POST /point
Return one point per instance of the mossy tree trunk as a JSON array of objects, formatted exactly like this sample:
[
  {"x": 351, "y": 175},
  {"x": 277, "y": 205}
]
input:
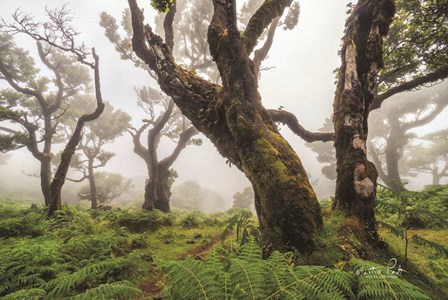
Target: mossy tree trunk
[
  {"x": 233, "y": 118},
  {"x": 361, "y": 59}
]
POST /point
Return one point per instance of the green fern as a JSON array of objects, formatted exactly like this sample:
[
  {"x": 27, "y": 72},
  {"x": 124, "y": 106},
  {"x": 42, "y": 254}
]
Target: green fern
[
  {"x": 441, "y": 273},
  {"x": 436, "y": 246},
  {"x": 379, "y": 282},
  {"x": 245, "y": 275},
  {"x": 115, "y": 290},
  {"x": 31, "y": 294}
]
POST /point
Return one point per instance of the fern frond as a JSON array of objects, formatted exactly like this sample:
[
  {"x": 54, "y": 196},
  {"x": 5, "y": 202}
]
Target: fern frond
[
  {"x": 26, "y": 294},
  {"x": 436, "y": 246},
  {"x": 115, "y": 290},
  {"x": 188, "y": 280},
  {"x": 387, "y": 206},
  {"x": 379, "y": 282},
  {"x": 440, "y": 272},
  {"x": 395, "y": 231}
]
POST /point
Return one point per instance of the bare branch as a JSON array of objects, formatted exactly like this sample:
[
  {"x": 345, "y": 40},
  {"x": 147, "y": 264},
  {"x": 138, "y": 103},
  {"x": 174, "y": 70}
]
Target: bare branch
[{"x": 291, "y": 121}]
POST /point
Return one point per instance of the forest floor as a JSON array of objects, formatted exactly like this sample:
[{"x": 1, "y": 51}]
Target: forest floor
[{"x": 78, "y": 252}]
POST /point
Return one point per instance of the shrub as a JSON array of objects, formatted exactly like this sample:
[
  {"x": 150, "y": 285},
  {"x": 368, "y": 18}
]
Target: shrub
[
  {"x": 30, "y": 224},
  {"x": 141, "y": 220}
]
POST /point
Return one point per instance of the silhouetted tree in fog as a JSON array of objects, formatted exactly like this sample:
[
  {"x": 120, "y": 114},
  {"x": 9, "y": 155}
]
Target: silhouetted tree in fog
[
  {"x": 392, "y": 133},
  {"x": 91, "y": 154},
  {"x": 108, "y": 186},
  {"x": 432, "y": 158},
  {"x": 36, "y": 103}
]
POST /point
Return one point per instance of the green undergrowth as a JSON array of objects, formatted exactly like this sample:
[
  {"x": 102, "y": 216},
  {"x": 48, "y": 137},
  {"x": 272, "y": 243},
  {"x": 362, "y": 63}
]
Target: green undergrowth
[
  {"x": 134, "y": 254},
  {"x": 85, "y": 254}
]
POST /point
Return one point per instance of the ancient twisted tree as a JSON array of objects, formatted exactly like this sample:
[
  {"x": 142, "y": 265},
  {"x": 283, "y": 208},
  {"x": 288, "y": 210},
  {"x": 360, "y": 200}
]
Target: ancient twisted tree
[
  {"x": 44, "y": 99},
  {"x": 362, "y": 57},
  {"x": 33, "y": 103},
  {"x": 232, "y": 117}
]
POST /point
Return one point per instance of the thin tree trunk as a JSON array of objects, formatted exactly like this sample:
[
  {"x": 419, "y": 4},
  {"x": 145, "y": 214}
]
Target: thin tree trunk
[
  {"x": 69, "y": 150},
  {"x": 45, "y": 178},
  {"x": 361, "y": 59},
  {"x": 92, "y": 185}
]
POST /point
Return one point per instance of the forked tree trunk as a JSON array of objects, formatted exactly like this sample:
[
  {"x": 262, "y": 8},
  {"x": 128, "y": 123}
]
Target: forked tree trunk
[
  {"x": 361, "y": 59},
  {"x": 233, "y": 118}
]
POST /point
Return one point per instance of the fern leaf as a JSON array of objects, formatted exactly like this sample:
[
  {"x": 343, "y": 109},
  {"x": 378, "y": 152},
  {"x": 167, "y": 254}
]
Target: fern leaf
[
  {"x": 395, "y": 231},
  {"x": 115, "y": 290},
  {"x": 436, "y": 246},
  {"x": 379, "y": 282},
  {"x": 26, "y": 294}
]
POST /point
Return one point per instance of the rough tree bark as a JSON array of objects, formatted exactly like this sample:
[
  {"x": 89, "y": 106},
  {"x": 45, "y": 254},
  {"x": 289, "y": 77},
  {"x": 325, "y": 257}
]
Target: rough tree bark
[
  {"x": 69, "y": 150},
  {"x": 361, "y": 56},
  {"x": 233, "y": 118}
]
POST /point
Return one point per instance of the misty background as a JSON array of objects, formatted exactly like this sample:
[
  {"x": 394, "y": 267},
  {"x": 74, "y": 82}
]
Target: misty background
[{"x": 301, "y": 80}]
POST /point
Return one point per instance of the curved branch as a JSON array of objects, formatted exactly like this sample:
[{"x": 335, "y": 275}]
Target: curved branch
[
  {"x": 440, "y": 74},
  {"x": 18, "y": 88},
  {"x": 262, "y": 53},
  {"x": 261, "y": 19},
  {"x": 425, "y": 120},
  {"x": 57, "y": 74},
  {"x": 291, "y": 121},
  {"x": 190, "y": 92},
  {"x": 168, "y": 26},
  {"x": 70, "y": 147},
  {"x": 184, "y": 137}
]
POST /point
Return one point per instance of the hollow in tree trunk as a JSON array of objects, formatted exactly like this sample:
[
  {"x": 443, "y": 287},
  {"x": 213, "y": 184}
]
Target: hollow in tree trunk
[{"x": 361, "y": 56}]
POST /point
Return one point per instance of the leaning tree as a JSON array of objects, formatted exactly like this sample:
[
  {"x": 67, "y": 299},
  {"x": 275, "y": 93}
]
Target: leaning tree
[
  {"x": 232, "y": 117},
  {"x": 42, "y": 98},
  {"x": 36, "y": 102},
  {"x": 91, "y": 154}
]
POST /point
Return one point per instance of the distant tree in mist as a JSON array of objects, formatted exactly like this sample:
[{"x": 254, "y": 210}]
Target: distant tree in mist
[
  {"x": 108, "y": 186},
  {"x": 325, "y": 152},
  {"x": 164, "y": 119},
  {"x": 34, "y": 102},
  {"x": 191, "y": 196},
  {"x": 4, "y": 158},
  {"x": 91, "y": 154},
  {"x": 393, "y": 131},
  {"x": 430, "y": 158},
  {"x": 245, "y": 199}
]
